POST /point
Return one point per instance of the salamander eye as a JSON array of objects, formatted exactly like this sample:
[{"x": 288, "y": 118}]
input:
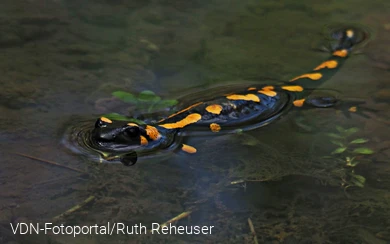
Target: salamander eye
[{"x": 102, "y": 122}]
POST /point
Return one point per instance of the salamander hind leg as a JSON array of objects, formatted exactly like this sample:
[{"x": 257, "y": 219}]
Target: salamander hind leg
[
  {"x": 354, "y": 106},
  {"x": 346, "y": 105},
  {"x": 322, "y": 102}
]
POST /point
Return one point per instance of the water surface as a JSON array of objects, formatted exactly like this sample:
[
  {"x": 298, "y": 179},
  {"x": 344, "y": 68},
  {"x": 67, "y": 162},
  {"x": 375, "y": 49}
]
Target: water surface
[{"x": 62, "y": 59}]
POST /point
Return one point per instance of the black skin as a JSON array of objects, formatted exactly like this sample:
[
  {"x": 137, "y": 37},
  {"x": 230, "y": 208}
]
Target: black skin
[{"x": 110, "y": 135}]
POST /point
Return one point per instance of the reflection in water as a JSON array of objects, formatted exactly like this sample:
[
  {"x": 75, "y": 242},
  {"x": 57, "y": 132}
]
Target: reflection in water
[{"x": 60, "y": 58}]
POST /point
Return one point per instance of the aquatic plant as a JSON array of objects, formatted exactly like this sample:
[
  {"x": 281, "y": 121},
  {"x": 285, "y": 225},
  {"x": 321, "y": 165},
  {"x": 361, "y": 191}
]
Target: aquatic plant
[
  {"x": 350, "y": 152},
  {"x": 145, "y": 100},
  {"x": 116, "y": 116}
]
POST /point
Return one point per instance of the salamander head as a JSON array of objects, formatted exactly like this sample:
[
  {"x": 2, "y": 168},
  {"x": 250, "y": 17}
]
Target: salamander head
[
  {"x": 119, "y": 139},
  {"x": 115, "y": 135}
]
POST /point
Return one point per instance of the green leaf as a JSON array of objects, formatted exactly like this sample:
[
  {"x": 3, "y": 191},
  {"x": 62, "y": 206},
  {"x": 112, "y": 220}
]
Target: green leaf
[
  {"x": 338, "y": 143},
  {"x": 340, "y": 129},
  {"x": 363, "y": 150},
  {"x": 116, "y": 116},
  {"x": 156, "y": 99},
  {"x": 359, "y": 141},
  {"x": 148, "y": 93},
  {"x": 339, "y": 150},
  {"x": 333, "y": 135},
  {"x": 148, "y": 96},
  {"x": 350, "y": 131},
  {"x": 358, "y": 180},
  {"x": 157, "y": 107},
  {"x": 353, "y": 163},
  {"x": 125, "y": 96},
  {"x": 357, "y": 183},
  {"x": 168, "y": 102},
  {"x": 163, "y": 105}
]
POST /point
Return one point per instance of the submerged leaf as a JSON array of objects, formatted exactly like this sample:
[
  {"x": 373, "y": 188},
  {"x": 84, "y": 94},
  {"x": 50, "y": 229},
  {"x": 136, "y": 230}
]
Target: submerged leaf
[
  {"x": 351, "y": 131},
  {"x": 145, "y": 100},
  {"x": 353, "y": 163},
  {"x": 359, "y": 141},
  {"x": 148, "y": 93},
  {"x": 148, "y": 96},
  {"x": 340, "y": 129},
  {"x": 116, "y": 116},
  {"x": 339, "y": 150},
  {"x": 363, "y": 150},
  {"x": 333, "y": 135},
  {"x": 168, "y": 102},
  {"x": 338, "y": 143},
  {"x": 125, "y": 96},
  {"x": 357, "y": 180},
  {"x": 357, "y": 183}
]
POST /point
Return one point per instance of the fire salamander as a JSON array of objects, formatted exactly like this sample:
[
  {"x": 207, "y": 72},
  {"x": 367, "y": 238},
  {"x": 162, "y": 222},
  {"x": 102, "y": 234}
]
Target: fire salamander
[{"x": 251, "y": 108}]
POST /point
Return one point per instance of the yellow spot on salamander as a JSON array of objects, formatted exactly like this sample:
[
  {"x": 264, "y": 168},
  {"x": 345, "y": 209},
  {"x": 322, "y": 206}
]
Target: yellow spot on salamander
[
  {"x": 352, "y": 109},
  {"x": 313, "y": 76},
  {"x": 251, "y": 88},
  {"x": 248, "y": 97},
  {"x": 268, "y": 88},
  {"x": 190, "y": 119},
  {"x": 132, "y": 124},
  {"x": 181, "y": 111},
  {"x": 214, "y": 109},
  {"x": 293, "y": 88},
  {"x": 299, "y": 102},
  {"x": 330, "y": 64},
  {"x": 215, "y": 127},
  {"x": 340, "y": 53},
  {"x": 106, "y": 120},
  {"x": 349, "y": 33},
  {"x": 144, "y": 141},
  {"x": 267, "y": 93},
  {"x": 188, "y": 149},
  {"x": 152, "y": 132}
]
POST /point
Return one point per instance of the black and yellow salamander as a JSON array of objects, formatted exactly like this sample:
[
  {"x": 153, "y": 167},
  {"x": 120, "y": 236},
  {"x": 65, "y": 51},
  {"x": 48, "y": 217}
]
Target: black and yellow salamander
[{"x": 251, "y": 108}]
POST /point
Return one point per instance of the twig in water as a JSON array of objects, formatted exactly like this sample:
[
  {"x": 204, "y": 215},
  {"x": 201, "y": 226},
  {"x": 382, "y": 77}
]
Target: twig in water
[
  {"x": 253, "y": 231},
  {"x": 244, "y": 181},
  {"x": 50, "y": 162},
  {"x": 75, "y": 208},
  {"x": 177, "y": 218}
]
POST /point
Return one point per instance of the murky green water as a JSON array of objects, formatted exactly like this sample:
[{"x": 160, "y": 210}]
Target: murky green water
[{"x": 61, "y": 60}]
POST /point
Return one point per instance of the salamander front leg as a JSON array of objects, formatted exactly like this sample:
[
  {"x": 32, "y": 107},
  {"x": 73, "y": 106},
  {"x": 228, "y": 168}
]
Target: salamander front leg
[
  {"x": 321, "y": 102},
  {"x": 129, "y": 159},
  {"x": 188, "y": 149}
]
